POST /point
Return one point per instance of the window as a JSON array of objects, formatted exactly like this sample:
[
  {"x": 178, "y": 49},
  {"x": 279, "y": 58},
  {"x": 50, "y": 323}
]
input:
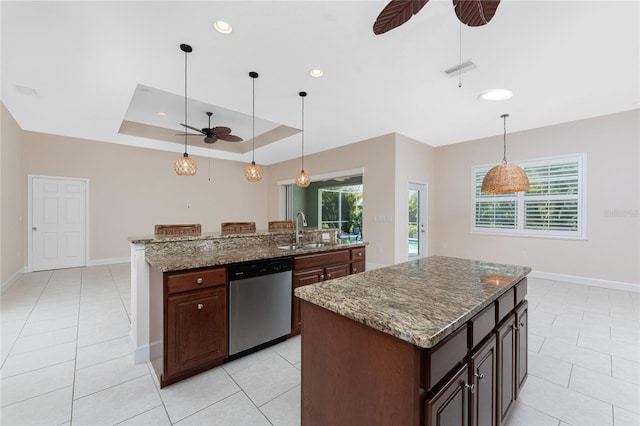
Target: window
[
  {"x": 553, "y": 206},
  {"x": 341, "y": 208}
]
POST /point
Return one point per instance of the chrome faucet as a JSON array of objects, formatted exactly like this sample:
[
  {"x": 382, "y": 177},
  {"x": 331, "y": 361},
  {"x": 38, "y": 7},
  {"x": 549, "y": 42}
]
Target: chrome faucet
[{"x": 300, "y": 232}]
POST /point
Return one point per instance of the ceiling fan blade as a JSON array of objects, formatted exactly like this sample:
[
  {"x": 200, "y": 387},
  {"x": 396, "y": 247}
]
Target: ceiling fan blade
[
  {"x": 192, "y": 128},
  {"x": 210, "y": 139},
  {"x": 189, "y": 134},
  {"x": 396, "y": 13},
  {"x": 230, "y": 138},
  {"x": 219, "y": 131},
  {"x": 475, "y": 13}
]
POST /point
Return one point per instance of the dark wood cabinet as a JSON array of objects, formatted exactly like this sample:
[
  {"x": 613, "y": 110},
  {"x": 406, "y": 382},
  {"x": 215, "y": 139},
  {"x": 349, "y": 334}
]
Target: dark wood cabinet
[
  {"x": 522, "y": 349},
  {"x": 196, "y": 329},
  {"x": 188, "y": 322},
  {"x": 506, "y": 368},
  {"x": 318, "y": 267},
  {"x": 482, "y": 370},
  {"x": 450, "y": 405}
]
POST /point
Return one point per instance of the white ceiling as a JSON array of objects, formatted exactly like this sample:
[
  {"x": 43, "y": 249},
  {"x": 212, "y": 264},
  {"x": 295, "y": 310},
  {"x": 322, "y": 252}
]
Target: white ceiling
[{"x": 564, "y": 60}]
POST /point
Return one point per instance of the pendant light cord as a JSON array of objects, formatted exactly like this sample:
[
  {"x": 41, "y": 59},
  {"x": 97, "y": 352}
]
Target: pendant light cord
[
  {"x": 303, "y": 133},
  {"x": 504, "y": 139},
  {"x": 460, "y": 55},
  {"x": 185, "y": 102},
  {"x": 253, "y": 121}
]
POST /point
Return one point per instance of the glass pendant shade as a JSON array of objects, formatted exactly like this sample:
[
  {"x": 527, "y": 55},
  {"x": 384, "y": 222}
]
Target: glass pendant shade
[
  {"x": 185, "y": 166},
  {"x": 505, "y": 177},
  {"x": 302, "y": 179},
  {"x": 253, "y": 172}
]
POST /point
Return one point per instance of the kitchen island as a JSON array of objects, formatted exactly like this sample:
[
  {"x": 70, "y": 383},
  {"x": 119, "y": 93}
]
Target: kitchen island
[{"x": 438, "y": 340}]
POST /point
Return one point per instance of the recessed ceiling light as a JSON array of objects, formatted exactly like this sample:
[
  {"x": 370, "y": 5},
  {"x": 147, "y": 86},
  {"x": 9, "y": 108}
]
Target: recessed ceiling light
[
  {"x": 162, "y": 114},
  {"x": 317, "y": 73},
  {"x": 496, "y": 95},
  {"x": 222, "y": 27}
]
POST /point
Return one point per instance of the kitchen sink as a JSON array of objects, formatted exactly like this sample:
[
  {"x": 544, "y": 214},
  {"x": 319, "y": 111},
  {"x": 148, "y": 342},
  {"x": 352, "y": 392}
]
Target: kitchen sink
[{"x": 293, "y": 247}]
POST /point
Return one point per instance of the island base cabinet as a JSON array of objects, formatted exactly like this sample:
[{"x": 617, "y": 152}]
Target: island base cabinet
[
  {"x": 450, "y": 406},
  {"x": 506, "y": 345},
  {"x": 482, "y": 367},
  {"x": 196, "y": 329}
]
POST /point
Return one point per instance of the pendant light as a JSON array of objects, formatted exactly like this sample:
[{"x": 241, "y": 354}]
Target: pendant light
[
  {"x": 505, "y": 177},
  {"x": 302, "y": 179},
  {"x": 253, "y": 172},
  {"x": 185, "y": 165}
]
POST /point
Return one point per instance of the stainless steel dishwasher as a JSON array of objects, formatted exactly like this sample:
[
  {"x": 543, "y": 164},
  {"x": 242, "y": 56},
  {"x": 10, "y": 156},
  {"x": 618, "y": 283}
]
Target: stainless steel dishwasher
[{"x": 259, "y": 304}]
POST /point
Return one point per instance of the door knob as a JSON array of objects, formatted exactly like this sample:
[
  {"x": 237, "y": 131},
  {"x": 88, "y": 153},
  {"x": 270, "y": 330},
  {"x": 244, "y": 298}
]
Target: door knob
[
  {"x": 472, "y": 387},
  {"x": 199, "y": 280},
  {"x": 34, "y": 228},
  {"x": 200, "y": 306}
]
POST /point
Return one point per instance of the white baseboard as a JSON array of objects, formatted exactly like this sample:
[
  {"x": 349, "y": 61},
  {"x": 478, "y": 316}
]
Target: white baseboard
[
  {"x": 595, "y": 282},
  {"x": 109, "y": 261},
  {"x": 140, "y": 354},
  {"x": 12, "y": 280}
]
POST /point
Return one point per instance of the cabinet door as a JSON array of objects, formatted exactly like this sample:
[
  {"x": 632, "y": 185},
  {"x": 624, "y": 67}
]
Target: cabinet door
[
  {"x": 196, "y": 329},
  {"x": 482, "y": 365},
  {"x": 336, "y": 271},
  {"x": 450, "y": 406},
  {"x": 506, "y": 344},
  {"x": 521, "y": 345},
  {"x": 301, "y": 279}
]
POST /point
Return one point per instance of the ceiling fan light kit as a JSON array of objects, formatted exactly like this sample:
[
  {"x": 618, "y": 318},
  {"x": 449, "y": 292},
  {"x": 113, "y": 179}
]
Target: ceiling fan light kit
[
  {"x": 185, "y": 166},
  {"x": 302, "y": 179},
  {"x": 505, "y": 177},
  {"x": 253, "y": 172}
]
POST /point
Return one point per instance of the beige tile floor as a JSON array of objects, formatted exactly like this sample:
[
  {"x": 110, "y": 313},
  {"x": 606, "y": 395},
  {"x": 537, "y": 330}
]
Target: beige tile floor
[{"x": 65, "y": 360}]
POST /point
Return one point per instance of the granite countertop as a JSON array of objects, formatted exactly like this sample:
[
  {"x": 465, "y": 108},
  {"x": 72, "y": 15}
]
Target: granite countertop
[
  {"x": 185, "y": 257},
  {"x": 420, "y": 301},
  {"x": 148, "y": 239}
]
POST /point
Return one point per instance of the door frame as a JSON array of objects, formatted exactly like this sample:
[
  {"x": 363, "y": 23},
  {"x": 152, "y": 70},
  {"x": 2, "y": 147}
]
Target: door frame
[
  {"x": 30, "y": 178},
  {"x": 423, "y": 209}
]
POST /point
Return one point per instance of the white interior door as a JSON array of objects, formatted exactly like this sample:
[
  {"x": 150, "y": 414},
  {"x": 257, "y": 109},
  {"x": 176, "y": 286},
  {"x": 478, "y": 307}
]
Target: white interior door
[
  {"x": 417, "y": 220},
  {"x": 58, "y": 223}
]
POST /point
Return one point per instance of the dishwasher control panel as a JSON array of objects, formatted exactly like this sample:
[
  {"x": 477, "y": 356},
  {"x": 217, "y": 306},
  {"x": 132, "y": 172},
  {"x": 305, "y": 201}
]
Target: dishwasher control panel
[{"x": 256, "y": 268}]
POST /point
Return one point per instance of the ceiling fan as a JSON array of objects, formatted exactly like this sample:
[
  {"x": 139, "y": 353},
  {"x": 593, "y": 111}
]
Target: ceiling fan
[
  {"x": 212, "y": 134},
  {"x": 473, "y": 13}
]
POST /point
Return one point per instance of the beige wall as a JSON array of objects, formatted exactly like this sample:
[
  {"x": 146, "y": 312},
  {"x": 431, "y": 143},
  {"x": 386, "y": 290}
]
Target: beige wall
[
  {"x": 12, "y": 223},
  {"x": 377, "y": 157},
  {"x": 131, "y": 189},
  {"x": 415, "y": 162},
  {"x": 611, "y": 250}
]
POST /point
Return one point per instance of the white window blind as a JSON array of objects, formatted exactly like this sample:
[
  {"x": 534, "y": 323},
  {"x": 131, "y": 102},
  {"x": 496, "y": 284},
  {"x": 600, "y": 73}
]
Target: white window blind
[{"x": 552, "y": 207}]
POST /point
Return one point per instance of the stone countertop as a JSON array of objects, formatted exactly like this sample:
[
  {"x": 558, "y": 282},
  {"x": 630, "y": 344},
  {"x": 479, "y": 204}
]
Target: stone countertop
[
  {"x": 185, "y": 257},
  {"x": 420, "y": 301}
]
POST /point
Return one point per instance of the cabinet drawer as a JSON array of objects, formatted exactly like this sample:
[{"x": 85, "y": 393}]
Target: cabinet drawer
[
  {"x": 445, "y": 356},
  {"x": 357, "y": 267},
  {"x": 505, "y": 304},
  {"x": 358, "y": 253},
  {"x": 185, "y": 281},
  {"x": 481, "y": 325},
  {"x": 320, "y": 259},
  {"x": 521, "y": 290}
]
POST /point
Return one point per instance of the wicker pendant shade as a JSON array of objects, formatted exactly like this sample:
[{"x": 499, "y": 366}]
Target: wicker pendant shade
[
  {"x": 253, "y": 172},
  {"x": 302, "y": 179},
  {"x": 505, "y": 177},
  {"x": 185, "y": 166}
]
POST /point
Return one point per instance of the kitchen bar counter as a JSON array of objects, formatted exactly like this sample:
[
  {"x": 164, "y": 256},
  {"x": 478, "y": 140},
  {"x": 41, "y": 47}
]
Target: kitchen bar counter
[
  {"x": 420, "y": 301},
  {"x": 175, "y": 257}
]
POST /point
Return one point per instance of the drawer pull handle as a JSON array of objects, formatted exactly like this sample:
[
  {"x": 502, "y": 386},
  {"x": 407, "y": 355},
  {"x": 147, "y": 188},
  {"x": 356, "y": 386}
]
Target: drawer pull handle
[
  {"x": 355, "y": 270},
  {"x": 522, "y": 324},
  {"x": 360, "y": 254},
  {"x": 328, "y": 276},
  {"x": 321, "y": 277},
  {"x": 472, "y": 387},
  {"x": 200, "y": 306},
  {"x": 199, "y": 280},
  {"x": 479, "y": 376}
]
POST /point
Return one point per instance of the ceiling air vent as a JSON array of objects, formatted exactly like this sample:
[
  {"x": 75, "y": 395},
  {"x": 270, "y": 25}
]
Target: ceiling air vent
[
  {"x": 27, "y": 91},
  {"x": 459, "y": 69}
]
